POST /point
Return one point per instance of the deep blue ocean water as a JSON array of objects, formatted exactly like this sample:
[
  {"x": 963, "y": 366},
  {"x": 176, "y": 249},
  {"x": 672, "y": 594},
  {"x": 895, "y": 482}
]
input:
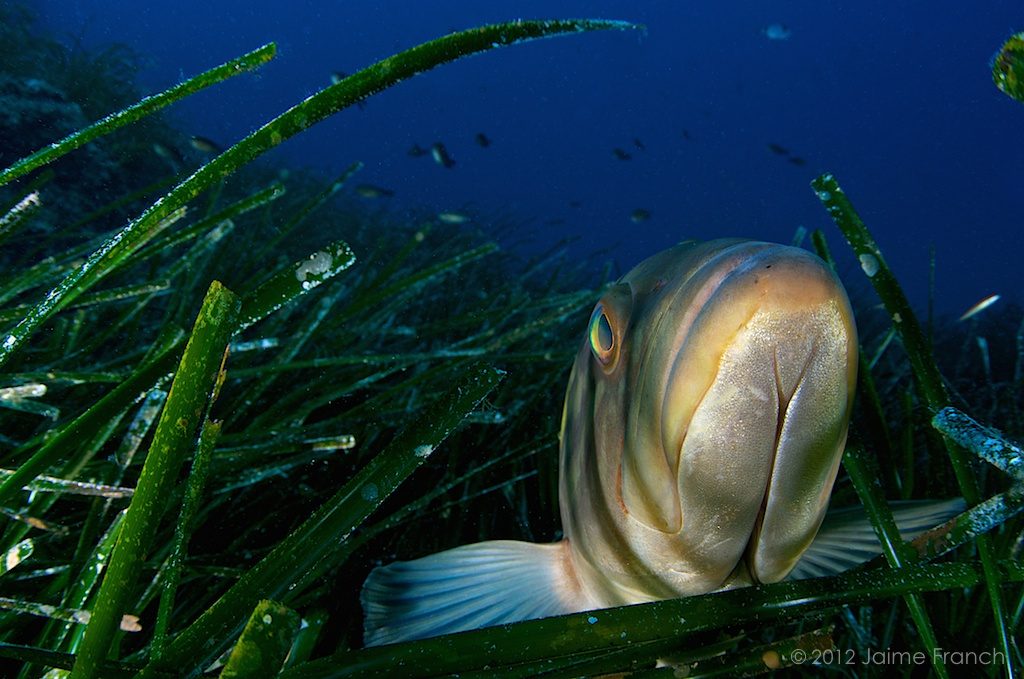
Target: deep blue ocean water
[{"x": 896, "y": 99}]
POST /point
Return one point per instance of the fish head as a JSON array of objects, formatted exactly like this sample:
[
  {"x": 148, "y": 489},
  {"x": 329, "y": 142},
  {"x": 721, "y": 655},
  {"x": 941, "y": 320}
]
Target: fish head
[{"x": 705, "y": 420}]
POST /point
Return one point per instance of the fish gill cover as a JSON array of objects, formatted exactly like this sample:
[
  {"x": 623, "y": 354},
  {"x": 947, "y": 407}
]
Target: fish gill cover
[{"x": 226, "y": 382}]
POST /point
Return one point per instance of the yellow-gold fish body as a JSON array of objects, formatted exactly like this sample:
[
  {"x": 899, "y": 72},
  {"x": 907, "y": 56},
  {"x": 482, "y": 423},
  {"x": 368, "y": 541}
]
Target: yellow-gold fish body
[{"x": 703, "y": 427}]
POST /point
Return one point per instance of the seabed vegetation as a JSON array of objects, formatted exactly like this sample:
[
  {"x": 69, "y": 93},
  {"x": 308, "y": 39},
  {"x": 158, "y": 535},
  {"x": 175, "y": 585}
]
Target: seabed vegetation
[{"x": 226, "y": 394}]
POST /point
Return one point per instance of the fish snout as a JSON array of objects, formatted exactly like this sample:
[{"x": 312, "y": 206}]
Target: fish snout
[{"x": 773, "y": 356}]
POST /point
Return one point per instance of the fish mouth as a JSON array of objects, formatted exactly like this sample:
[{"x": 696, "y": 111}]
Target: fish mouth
[{"x": 754, "y": 415}]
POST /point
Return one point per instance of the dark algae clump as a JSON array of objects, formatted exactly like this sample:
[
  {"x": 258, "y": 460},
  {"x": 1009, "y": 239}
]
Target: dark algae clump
[
  {"x": 228, "y": 391},
  {"x": 1008, "y": 67}
]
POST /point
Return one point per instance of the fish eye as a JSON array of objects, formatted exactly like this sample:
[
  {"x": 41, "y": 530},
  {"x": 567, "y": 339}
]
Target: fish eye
[{"x": 602, "y": 338}]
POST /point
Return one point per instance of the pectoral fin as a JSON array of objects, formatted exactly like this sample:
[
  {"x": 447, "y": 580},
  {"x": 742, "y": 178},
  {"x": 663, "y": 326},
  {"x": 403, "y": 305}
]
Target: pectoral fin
[
  {"x": 847, "y": 539},
  {"x": 487, "y": 583}
]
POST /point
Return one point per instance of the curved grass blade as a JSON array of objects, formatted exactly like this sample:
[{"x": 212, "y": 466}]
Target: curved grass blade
[
  {"x": 306, "y": 638},
  {"x": 310, "y": 111},
  {"x": 194, "y": 488},
  {"x": 66, "y": 636},
  {"x": 264, "y": 643},
  {"x": 292, "y": 281},
  {"x": 926, "y": 372},
  {"x": 246, "y": 62},
  {"x": 307, "y": 552},
  {"x": 884, "y": 281},
  {"x": 15, "y": 555},
  {"x": 94, "y": 298},
  {"x": 52, "y": 484},
  {"x": 47, "y": 658},
  {"x": 251, "y": 202},
  {"x": 965, "y": 527},
  {"x": 128, "y": 623},
  {"x": 987, "y": 444},
  {"x": 748, "y": 662},
  {"x": 194, "y": 383},
  {"x": 863, "y": 473},
  {"x": 498, "y": 647},
  {"x": 18, "y": 215}
]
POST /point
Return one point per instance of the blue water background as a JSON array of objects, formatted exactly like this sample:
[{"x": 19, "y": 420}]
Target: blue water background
[{"x": 896, "y": 99}]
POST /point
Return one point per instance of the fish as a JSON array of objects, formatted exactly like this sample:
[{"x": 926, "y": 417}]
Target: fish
[
  {"x": 169, "y": 154},
  {"x": 482, "y": 140},
  {"x": 702, "y": 430},
  {"x": 979, "y": 307},
  {"x": 620, "y": 154},
  {"x": 778, "y": 150},
  {"x": 640, "y": 215},
  {"x": 440, "y": 155},
  {"x": 453, "y": 218},
  {"x": 371, "y": 191},
  {"x": 797, "y": 160},
  {"x": 777, "y": 32},
  {"x": 639, "y": 144},
  {"x": 205, "y": 145}
]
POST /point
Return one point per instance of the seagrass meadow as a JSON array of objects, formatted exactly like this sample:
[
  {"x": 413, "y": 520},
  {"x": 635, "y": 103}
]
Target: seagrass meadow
[{"x": 227, "y": 393}]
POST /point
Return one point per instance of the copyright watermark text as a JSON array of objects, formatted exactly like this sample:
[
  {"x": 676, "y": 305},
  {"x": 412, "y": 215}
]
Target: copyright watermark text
[{"x": 839, "y": 656}]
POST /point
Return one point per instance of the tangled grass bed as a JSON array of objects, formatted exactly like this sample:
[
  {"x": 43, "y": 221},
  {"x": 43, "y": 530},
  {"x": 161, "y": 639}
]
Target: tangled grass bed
[{"x": 216, "y": 419}]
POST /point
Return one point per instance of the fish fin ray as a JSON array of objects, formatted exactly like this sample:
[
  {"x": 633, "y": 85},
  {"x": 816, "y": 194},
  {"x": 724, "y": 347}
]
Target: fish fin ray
[
  {"x": 487, "y": 583},
  {"x": 847, "y": 539}
]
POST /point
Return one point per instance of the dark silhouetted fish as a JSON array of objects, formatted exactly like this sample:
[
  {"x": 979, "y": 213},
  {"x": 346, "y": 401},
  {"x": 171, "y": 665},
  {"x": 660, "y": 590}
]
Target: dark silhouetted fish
[
  {"x": 778, "y": 150},
  {"x": 205, "y": 145},
  {"x": 453, "y": 217},
  {"x": 440, "y": 155},
  {"x": 639, "y": 144},
  {"x": 371, "y": 191},
  {"x": 620, "y": 154},
  {"x": 640, "y": 215},
  {"x": 797, "y": 160},
  {"x": 482, "y": 141},
  {"x": 168, "y": 153}
]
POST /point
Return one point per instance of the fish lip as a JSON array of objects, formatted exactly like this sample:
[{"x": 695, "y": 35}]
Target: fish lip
[
  {"x": 732, "y": 261},
  {"x": 796, "y": 288},
  {"x": 736, "y": 261}
]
